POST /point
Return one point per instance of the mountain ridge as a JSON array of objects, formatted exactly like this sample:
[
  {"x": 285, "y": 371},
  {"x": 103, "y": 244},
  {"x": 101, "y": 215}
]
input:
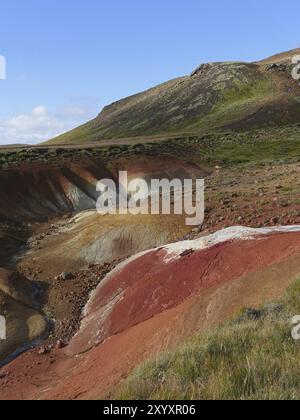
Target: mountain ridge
[{"x": 215, "y": 96}]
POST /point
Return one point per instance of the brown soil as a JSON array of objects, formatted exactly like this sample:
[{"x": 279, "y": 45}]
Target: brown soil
[
  {"x": 259, "y": 196},
  {"x": 66, "y": 299},
  {"x": 159, "y": 305},
  {"x": 94, "y": 374}
]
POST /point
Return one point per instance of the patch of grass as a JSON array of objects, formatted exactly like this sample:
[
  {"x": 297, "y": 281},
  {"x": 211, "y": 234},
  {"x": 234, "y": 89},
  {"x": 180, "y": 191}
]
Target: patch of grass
[
  {"x": 242, "y": 360},
  {"x": 258, "y": 89},
  {"x": 213, "y": 148},
  {"x": 236, "y": 103},
  {"x": 75, "y": 136}
]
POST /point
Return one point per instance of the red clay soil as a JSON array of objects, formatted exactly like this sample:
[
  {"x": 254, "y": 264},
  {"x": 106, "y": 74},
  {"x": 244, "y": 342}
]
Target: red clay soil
[
  {"x": 151, "y": 304},
  {"x": 148, "y": 285},
  {"x": 159, "y": 167}
]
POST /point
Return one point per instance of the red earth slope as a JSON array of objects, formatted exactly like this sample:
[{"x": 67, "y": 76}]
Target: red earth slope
[{"x": 154, "y": 301}]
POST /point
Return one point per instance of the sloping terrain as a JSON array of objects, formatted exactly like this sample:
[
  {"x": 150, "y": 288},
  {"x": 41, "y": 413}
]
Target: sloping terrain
[
  {"x": 233, "y": 269},
  {"x": 249, "y": 358},
  {"x": 88, "y": 298},
  {"x": 35, "y": 190},
  {"x": 50, "y": 225},
  {"x": 24, "y": 322},
  {"x": 165, "y": 277},
  {"x": 232, "y": 95},
  {"x": 281, "y": 58},
  {"x": 48, "y": 236}
]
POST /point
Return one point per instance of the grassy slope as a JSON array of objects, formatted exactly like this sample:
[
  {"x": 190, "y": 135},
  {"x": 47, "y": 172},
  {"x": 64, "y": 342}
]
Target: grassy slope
[
  {"x": 235, "y": 104},
  {"x": 244, "y": 359},
  {"x": 236, "y": 95},
  {"x": 226, "y": 149}
]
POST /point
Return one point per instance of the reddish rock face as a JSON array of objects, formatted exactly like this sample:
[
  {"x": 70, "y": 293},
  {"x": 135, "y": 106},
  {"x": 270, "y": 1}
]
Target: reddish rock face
[
  {"x": 156, "y": 300},
  {"x": 162, "y": 279}
]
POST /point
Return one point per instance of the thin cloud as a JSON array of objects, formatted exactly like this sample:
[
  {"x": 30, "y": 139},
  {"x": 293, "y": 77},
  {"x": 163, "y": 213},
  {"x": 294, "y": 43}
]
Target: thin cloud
[{"x": 40, "y": 124}]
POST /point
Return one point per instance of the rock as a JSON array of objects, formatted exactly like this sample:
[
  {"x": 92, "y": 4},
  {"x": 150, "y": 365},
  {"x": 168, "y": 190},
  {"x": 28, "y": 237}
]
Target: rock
[
  {"x": 66, "y": 276},
  {"x": 254, "y": 314},
  {"x": 187, "y": 252},
  {"x": 276, "y": 67},
  {"x": 43, "y": 350},
  {"x": 197, "y": 229},
  {"x": 3, "y": 375},
  {"x": 275, "y": 220},
  {"x": 200, "y": 69},
  {"x": 60, "y": 345}
]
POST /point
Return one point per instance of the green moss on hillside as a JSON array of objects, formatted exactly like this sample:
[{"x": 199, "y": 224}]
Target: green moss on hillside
[{"x": 215, "y": 148}]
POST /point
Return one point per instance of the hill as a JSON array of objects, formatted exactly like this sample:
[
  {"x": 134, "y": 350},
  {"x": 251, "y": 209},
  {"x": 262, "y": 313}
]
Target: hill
[{"x": 230, "y": 95}]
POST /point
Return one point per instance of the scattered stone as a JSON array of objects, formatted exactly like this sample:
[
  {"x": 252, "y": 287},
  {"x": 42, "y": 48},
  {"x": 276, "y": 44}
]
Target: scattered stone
[
  {"x": 275, "y": 220},
  {"x": 254, "y": 314},
  {"x": 187, "y": 252},
  {"x": 200, "y": 69},
  {"x": 3, "y": 375},
  {"x": 75, "y": 294},
  {"x": 60, "y": 345},
  {"x": 276, "y": 67},
  {"x": 43, "y": 351},
  {"x": 66, "y": 276}
]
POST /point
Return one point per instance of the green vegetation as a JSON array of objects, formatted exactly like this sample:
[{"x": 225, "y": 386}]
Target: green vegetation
[
  {"x": 244, "y": 359},
  {"x": 236, "y": 103},
  {"x": 81, "y": 134},
  {"x": 260, "y": 88},
  {"x": 216, "y": 148},
  {"x": 237, "y": 95}
]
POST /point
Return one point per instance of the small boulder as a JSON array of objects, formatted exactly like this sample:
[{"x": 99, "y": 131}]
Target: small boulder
[
  {"x": 276, "y": 67},
  {"x": 60, "y": 345},
  {"x": 3, "y": 375},
  {"x": 187, "y": 252},
  {"x": 43, "y": 351},
  {"x": 66, "y": 276},
  {"x": 254, "y": 314}
]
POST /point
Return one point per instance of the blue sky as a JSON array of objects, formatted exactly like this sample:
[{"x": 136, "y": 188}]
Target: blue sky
[{"x": 67, "y": 59}]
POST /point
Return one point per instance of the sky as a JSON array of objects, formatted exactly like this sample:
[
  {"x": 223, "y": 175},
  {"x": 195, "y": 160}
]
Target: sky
[{"x": 66, "y": 59}]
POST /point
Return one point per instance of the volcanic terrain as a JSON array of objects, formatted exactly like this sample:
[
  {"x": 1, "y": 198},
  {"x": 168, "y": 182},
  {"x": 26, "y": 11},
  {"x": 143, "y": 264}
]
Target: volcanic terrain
[{"x": 88, "y": 298}]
